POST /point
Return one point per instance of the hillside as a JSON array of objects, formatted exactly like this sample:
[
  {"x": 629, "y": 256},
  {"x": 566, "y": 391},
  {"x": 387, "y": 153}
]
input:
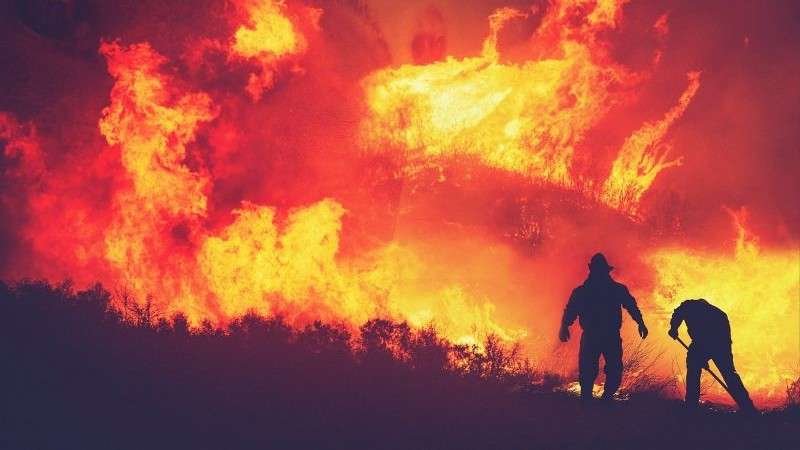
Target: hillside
[{"x": 79, "y": 374}]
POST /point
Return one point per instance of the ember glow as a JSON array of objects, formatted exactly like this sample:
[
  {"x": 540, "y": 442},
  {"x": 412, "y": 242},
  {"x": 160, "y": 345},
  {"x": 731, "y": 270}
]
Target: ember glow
[{"x": 273, "y": 158}]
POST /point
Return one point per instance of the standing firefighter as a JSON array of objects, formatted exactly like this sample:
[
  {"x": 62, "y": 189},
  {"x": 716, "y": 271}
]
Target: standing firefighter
[
  {"x": 711, "y": 339},
  {"x": 597, "y": 304}
]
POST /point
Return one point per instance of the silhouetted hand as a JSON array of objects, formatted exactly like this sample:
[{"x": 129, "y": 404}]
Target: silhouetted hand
[
  {"x": 642, "y": 330},
  {"x": 673, "y": 333},
  {"x": 563, "y": 334}
]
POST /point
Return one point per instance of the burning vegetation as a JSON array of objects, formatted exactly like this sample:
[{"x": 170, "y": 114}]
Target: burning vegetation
[{"x": 270, "y": 158}]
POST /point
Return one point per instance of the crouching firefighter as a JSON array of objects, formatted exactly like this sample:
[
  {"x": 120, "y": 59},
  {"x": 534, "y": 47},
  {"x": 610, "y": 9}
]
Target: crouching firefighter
[
  {"x": 711, "y": 339},
  {"x": 597, "y": 303}
]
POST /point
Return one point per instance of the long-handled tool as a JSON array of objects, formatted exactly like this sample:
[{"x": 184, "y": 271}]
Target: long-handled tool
[{"x": 708, "y": 369}]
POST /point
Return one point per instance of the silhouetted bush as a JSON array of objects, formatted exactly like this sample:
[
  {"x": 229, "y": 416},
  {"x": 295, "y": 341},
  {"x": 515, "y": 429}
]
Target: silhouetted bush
[
  {"x": 87, "y": 369},
  {"x": 640, "y": 378},
  {"x": 793, "y": 395}
]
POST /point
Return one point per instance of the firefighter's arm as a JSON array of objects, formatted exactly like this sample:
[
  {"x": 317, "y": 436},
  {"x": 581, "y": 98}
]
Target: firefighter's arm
[
  {"x": 629, "y": 303},
  {"x": 675, "y": 322},
  {"x": 570, "y": 314}
]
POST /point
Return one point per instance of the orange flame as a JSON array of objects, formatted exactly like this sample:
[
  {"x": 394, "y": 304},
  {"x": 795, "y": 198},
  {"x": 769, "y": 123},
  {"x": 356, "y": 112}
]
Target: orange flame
[
  {"x": 269, "y": 37},
  {"x": 152, "y": 122},
  {"x": 526, "y": 118},
  {"x": 643, "y": 156},
  {"x": 158, "y": 243},
  {"x": 758, "y": 289}
]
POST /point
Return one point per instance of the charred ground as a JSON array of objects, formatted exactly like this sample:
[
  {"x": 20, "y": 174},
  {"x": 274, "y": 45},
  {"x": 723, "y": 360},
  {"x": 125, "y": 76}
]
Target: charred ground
[{"x": 80, "y": 374}]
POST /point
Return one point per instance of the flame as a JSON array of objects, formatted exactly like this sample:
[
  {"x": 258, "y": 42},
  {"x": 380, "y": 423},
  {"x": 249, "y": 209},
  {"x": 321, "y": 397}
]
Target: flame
[
  {"x": 268, "y": 38},
  {"x": 158, "y": 243},
  {"x": 758, "y": 289},
  {"x": 525, "y": 118},
  {"x": 271, "y": 34},
  {"x": 252, "y": 260},
  {"x": 152, "y": 123},
  {"x": 522, "y": 118},
  {"x": 255, "y": 266},
  {"x": 643, "y": 156}
]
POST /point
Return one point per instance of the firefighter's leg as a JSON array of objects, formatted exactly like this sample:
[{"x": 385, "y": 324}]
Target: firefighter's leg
[
  {"x": 587, "y": 365},
  {"x": 695, "y": 361},
  {"x": 724, "y": 362},
  {"x": 612, "y": 353}
]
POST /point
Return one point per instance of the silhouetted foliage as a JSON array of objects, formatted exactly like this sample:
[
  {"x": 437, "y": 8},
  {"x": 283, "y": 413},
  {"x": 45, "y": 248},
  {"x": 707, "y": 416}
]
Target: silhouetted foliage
[
  {"x": 85, "y": 369},
  {"x": 640, "y": 378},
  {"x": 793, "y": 395}
]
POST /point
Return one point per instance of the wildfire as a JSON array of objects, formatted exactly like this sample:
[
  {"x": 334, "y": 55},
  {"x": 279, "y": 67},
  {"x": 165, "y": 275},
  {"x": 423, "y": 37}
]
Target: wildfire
[
  {"x": 526, "y": 118},
  {"x": 269, "y": 37},
  {"x": 643, "y": 156},
  {"x": 214, "y": 201},
  {"x": 758, "y": 289},
  {"x": 158, "y": 243},
  {"x": 152, "y": 122},
  {"x": 272, "y": 33}
]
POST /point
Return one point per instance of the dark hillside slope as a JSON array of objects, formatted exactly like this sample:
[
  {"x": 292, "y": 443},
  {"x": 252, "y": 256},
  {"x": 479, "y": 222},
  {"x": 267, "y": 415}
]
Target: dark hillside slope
[{"x": 77, "y": 374}]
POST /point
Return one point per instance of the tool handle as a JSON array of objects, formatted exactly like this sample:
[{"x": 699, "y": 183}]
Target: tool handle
[
  {"x": 708, "y": 369},
  {"x": 682, "y": 343}
]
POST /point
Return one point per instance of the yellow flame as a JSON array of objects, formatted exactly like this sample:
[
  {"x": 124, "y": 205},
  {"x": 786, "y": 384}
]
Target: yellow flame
[
  {"x": 158, "y": 244},
  {"x": 525, "y": 118},
  {"x": 271, "y": 33},
  {"x": 152, "y": 124},
  {"x": 643, "y": 156},
  {"x": 269, "y": 37},
  {"x": 254, "y": 265},
  {"x": 758, "y": 288}
]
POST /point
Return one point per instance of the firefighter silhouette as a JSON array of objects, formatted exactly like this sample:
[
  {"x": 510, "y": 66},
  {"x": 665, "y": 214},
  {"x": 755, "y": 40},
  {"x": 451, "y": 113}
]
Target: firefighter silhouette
[
  {"x": 710, "y": 331},
  {"x": 597, "y": 304}
]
